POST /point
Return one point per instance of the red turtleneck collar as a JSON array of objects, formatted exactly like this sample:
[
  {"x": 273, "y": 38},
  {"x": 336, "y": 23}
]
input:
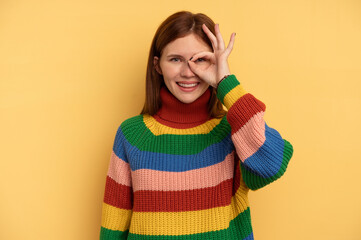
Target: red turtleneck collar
[{"x": 176, "y": 114}]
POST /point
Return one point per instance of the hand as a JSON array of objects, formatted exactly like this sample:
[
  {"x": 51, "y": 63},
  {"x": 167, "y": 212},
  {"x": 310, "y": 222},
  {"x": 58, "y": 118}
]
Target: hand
[{"x": 217, "y": 66}]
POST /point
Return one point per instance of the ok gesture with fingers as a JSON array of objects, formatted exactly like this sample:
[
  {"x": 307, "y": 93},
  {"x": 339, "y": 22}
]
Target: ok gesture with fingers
[{"x": 217, "y": 66}]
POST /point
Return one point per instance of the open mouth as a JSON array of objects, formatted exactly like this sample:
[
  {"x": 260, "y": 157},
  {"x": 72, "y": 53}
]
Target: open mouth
[{"x": 188, "y": 85}]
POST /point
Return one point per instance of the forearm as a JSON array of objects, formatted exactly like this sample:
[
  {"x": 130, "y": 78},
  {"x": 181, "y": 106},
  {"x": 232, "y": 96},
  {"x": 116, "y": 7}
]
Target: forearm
[{"x": 263, "y": 153}]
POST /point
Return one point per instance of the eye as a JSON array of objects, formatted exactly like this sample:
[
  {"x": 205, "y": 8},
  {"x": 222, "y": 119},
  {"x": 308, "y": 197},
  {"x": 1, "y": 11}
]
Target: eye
[
  {"x": 200, "y": 60},
  {"x": 175, "y": 60}
]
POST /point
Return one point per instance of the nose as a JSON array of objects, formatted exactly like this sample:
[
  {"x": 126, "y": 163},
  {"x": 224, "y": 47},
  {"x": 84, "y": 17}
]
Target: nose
[{"x": 186, "y": 71}]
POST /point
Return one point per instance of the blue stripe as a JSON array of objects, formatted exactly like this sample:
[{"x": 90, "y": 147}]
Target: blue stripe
[
  {"x": 267, "y": 161},
  {"x": 138, "y": 159},
  {"x": 119, "y": 147},
  {"x": 249, "y": 237}
]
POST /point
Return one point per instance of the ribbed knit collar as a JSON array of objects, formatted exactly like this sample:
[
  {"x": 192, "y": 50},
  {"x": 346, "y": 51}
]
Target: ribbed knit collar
[{"x": 176, "y": 114}]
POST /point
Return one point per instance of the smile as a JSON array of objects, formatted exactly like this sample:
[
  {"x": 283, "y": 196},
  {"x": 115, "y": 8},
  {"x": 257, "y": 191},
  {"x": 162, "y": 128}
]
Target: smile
[{"x": 187, "y": 85}]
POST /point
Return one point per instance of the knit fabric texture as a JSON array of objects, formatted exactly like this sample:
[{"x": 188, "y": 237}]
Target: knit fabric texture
[{"x": 180, "y": 175}]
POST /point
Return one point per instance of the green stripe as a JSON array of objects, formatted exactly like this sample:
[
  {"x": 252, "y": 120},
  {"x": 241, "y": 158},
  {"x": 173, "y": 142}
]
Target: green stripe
[
  {"x": 254, "y": 181},
  {"x": 138, "y": 135},
  {"x": 107, "y": 234},
  {"x": 239, "y": 228},
  {"x": 226, "y": 86}
]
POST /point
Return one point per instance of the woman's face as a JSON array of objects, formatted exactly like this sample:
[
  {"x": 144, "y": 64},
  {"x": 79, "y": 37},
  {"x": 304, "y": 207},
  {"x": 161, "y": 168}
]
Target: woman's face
[{"x": 173, "y": 65}]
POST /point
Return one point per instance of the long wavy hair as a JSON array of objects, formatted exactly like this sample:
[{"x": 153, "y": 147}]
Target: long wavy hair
[{"x": 178, "y": 25}]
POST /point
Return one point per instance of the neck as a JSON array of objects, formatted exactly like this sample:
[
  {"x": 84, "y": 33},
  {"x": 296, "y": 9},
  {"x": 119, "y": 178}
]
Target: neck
[{"x": 176, "y": 114}]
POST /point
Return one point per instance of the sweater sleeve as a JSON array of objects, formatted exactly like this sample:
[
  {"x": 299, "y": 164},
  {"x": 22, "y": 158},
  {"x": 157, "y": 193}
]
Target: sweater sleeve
[
  {"x": 118, "y": 196},
  {"x": 263, "y": 153}
]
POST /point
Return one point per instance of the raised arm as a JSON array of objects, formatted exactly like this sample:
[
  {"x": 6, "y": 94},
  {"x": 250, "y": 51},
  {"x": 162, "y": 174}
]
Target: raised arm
[{"x": 263, "y": 153}]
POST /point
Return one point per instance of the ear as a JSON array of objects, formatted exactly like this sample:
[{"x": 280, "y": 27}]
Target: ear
[{"x": 156, "y": 65}]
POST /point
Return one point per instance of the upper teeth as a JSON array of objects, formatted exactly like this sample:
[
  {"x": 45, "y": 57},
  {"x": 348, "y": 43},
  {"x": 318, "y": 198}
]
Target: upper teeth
[{"x": 188, "y": 85}]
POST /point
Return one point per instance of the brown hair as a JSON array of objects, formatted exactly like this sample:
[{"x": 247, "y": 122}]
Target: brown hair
[{"x": 176, "y": 26}]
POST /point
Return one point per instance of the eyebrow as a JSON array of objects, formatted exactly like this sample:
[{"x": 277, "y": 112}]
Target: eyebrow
[{"x": 175, "y": 55}]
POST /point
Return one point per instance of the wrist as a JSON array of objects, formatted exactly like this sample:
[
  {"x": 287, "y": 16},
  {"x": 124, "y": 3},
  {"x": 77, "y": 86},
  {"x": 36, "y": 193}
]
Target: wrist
[
  {"x": 229, "y": 91},
  {"x": 224, "y": 77}
]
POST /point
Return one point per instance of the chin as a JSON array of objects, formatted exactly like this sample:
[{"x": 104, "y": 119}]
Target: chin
[{"x": 187, "y": 100}]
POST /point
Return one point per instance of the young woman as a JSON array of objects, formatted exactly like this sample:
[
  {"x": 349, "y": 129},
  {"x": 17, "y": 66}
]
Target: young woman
[{"x": 182, "y": 169}]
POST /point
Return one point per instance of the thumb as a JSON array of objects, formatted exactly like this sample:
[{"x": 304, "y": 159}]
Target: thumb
[
  {"x": 194, "y": 67},
  {"x": 201, "y": 72},
  {"x": 200, "y": 62}
]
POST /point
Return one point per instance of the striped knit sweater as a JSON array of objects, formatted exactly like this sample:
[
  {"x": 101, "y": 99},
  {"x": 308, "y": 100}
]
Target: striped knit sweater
[{"x": 180, "y": 175}]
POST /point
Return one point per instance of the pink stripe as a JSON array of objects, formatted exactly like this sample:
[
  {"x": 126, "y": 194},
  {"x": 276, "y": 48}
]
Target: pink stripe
[
  {"x": 250, "y": 137},
  {"x": 119, "y": 170},
  {"x": 146, "y": 179}
]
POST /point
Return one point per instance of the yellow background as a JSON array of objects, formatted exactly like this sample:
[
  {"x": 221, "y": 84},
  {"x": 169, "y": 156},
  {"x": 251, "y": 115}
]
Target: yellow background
[{"x": 72, "y": 71}]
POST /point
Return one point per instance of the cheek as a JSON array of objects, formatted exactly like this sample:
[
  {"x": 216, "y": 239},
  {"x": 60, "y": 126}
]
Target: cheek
[{"x": 170, "y": 70}]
